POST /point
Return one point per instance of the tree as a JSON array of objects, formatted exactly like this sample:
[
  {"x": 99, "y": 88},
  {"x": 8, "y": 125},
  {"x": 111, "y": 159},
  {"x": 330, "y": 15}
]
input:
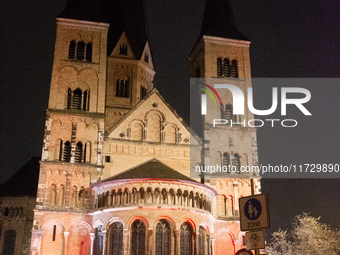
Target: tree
[{"x": 307, "y": 236}]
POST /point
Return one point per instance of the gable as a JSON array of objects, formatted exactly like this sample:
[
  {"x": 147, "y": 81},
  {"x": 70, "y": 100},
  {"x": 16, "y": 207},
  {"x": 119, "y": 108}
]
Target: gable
[
  {"x": 123, "y": 48},
  {"x": 153, "y": 120},
  {"x": 146, "y": 55}
]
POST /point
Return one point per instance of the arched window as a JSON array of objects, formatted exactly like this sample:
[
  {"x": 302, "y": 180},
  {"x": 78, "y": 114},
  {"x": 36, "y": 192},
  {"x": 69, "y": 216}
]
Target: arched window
[
  {"x": 80, "y": 50},
  {"x": 67, "y": 152},
  {"x": 10, "y": 237},
  {"x": 202, "y": 241},
  {"x": 98, "y": 241},
  {"x": 138, "y": 231},
  {"x": 236, "y": 162},
  {"x": 163, "y": 235},
  {"x": 226, "y": 67},
  {"x": 142, "y": 92},
  {"x": 78, "y": 157},
  {"x": 86, "y": 100},
  {"x": 87, "y": 152},
  {"x": 186, "y": 239},
  {"x": 227, "y": 112},
  {"x": 234, "y": 69},
  {"x": 72, "y": 50},
  {"x": 123, "y": 49},
  {"x": 146, "y": 57},
  {"x": 219, "y": 67},
  {"x": 116, "y": 238},
  {"x": 226, "y": 159},
  {"x": 76, "y": 99},
  {"x": 89, "y": 52},
  {"x": 122, "y": 88},
  {"x": 7, "y": 211}
]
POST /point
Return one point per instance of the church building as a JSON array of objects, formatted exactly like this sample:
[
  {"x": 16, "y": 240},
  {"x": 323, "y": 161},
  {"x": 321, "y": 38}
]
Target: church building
[{"x": 115, "y": 167}]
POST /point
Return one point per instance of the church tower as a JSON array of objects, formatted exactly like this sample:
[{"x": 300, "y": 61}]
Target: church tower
[
  {"x": 223, "y": 52},
  {"x": 130, "y": 67}
]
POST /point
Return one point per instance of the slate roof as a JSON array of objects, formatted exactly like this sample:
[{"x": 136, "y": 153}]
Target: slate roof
[
  {"x": 122, "y": 15},
  {"x": 24, "y": 182},
  {"x": 218, "y": 20},
  {"x": 152, "y": 169}
]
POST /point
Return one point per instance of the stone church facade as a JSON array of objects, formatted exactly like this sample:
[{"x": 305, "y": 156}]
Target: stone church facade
[{"x": 115, "y": 167}]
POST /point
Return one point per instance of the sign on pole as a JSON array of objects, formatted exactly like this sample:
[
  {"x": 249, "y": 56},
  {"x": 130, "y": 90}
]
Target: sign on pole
[
  {"x": 254, "y": 212},
  {"x": 255, "y": 240}
]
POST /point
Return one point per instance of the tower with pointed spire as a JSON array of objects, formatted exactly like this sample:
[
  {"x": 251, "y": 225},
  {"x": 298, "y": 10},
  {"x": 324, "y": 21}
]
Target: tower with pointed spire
[{"x": 115, "y": 167}]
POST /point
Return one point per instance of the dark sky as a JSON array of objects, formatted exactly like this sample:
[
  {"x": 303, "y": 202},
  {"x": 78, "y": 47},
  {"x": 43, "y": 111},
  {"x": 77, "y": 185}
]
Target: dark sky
[{"x": 297, "y": 38}]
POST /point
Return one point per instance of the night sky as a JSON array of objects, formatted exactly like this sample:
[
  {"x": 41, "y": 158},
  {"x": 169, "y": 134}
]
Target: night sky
[{"x": 297, "y": 38}]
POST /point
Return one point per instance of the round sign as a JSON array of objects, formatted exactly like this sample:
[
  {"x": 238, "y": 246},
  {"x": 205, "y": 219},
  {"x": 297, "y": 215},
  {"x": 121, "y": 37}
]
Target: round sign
[
  {"x": 252, "y": 209},
  {"x": 243, "y": 252}
]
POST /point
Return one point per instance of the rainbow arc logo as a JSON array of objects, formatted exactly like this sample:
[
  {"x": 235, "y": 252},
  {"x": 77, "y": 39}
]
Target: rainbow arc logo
[{"x": 204, "y": 97}]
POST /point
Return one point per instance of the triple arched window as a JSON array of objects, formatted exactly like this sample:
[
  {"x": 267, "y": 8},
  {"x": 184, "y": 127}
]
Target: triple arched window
[
  {"x": 227, "y": 68},
  {"x": 78, "y": 100},
  {"x": 122, "y": 88},
  {"x": 236, "y": 162},
  {"x": 82, "y": 152},
  {"x": 80, "y": 51}
]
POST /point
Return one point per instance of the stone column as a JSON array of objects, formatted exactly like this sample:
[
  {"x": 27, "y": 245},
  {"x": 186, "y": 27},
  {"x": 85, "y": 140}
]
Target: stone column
[
  {"x": 177, "y": 242},
  {"x": 149, "y": 242},
  {"x": 125, "y": 241},
  {"x": 104, "y": 242},
  {"x": 235, "y": 185},
  {"x": 65, "y": 242},
  {"x": 212, "y": 243},
  {"x": 92, "y": 239}
]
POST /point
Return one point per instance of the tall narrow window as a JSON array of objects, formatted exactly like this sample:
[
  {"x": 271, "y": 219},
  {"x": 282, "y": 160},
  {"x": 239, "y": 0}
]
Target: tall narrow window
[
  {"x": 146, "y": 57},
  {"x": 138, "y": 231},
  {"x": 219, "y": 67},
  {"x": 60, "y": 155},
  {"x": 87, "y": 152},
  {"x": 117, "y": 88},
  {"x": 76, "y": 99},
  {"x": 126, "y": 89},
  {"x": 10, "y": 237},
  {"x": 234, "y": 69},
  {"x": 123, "y": 49},
  {"x": 80, "y": 50},
  {"x": 54, "y": 232},
  {"x": 72, "y": 50},
  {"x": 86, "y": 98},
  {"x": 89, "y": 52},
  {"x": 186, "y": 239},
  {"x": 236, "y": 162},
  {"x": 163, "y": 238},
  {"x": 226, "y": 159},
  {"x": 67, "y": 152},
  {"x": 227, "y": 113},
  {"x": 78, "y": 153},
  {"x": 69, "y": 98},
  {"x": 226, "y": 67},
  {"x": 6, "y": 211},
  {"x": 202, "y": 241},
  {"x": 116, "y": 238},
  {"x": 142, "y": 92}
]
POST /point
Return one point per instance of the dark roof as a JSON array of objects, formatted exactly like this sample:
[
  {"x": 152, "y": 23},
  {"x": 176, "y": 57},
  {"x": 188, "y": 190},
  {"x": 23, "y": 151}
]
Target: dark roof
[
  {"x": 152, "y": 169},
  {"x": 122, "y": 15},
  {"x": 24, "y": 182},
  {"x": 218, "y": 20}
]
